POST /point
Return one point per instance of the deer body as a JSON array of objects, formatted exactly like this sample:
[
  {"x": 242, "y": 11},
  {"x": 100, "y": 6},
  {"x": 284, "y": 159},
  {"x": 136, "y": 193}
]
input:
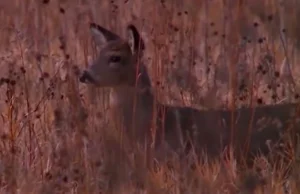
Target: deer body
[{"x": 133, "y": 106}]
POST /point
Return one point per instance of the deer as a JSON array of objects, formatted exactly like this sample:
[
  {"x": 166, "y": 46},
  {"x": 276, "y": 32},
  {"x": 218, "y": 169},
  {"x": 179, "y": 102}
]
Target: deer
[{"x": 134, "y": 107}]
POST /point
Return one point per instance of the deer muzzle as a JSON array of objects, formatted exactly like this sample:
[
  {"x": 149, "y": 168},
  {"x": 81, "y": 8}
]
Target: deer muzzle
[{"x": 86, "y": 77}]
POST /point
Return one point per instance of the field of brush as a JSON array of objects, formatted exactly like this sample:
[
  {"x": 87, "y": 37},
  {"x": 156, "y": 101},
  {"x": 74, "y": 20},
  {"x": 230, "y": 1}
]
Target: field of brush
[{"x": 54, "y": 135}]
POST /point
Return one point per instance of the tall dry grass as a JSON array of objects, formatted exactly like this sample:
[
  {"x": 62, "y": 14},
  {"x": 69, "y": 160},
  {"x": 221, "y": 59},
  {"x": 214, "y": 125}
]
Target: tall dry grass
[{"x": 207, "y": 54}]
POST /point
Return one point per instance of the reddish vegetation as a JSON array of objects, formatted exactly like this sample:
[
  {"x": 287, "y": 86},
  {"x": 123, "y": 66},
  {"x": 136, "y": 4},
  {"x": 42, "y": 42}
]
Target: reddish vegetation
[{"x": 55, "y": 137}]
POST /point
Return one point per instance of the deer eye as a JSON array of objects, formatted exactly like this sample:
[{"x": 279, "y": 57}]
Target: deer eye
[{"x": 115, "y": 59}]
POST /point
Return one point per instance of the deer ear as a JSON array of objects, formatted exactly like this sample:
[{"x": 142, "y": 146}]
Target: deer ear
[
  {"x": 134, "y": 39},
  {"x": 101, "y": 35}
]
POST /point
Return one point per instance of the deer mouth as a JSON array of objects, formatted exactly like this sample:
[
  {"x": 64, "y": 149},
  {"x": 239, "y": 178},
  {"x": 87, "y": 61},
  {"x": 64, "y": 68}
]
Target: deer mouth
[{"x": 86, "y": 78}]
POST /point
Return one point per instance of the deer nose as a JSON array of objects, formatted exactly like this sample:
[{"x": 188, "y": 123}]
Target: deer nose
[{"x": 85, "y": 77}]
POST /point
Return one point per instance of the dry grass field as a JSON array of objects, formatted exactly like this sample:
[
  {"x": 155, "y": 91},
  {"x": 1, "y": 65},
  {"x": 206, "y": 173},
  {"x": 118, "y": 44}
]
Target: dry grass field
[{"x": 55, "y": 135}]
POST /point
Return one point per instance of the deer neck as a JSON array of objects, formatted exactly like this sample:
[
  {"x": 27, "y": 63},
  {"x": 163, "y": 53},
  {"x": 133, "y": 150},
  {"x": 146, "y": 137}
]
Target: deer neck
[{"x": 133, "y": 104}]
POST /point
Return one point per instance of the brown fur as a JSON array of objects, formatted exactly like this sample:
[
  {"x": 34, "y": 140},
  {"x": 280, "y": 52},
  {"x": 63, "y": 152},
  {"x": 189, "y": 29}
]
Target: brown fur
[{"x": 132, "y": 107}]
